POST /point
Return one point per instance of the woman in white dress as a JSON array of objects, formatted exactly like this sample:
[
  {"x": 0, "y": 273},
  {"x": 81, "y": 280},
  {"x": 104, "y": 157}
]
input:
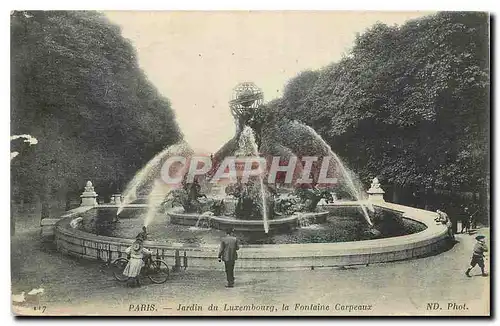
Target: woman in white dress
[{"x": 136, "y": 254}]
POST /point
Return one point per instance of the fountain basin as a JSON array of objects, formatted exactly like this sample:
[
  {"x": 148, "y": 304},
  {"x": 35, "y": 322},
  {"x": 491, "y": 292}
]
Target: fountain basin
[
  {"x": 431, "y": 240},
  {"x": 225, "y": 222}
]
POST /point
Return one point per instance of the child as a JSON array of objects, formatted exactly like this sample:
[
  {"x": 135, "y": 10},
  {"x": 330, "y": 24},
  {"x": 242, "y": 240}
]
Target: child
[
  {"x": 478, "y": 255},
  {"x": 143, "y": 234},
  {"x": 136, "y": 254}
]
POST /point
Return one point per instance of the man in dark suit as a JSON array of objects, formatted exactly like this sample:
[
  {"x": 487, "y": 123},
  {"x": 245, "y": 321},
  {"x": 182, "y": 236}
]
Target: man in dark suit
[{"x": 228, "y": 253}]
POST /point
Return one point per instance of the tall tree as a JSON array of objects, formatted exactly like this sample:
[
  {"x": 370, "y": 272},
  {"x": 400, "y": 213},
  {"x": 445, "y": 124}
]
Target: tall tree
[
  {"x": 409, "y": 103},
  {"x": 77, "y": 88}
]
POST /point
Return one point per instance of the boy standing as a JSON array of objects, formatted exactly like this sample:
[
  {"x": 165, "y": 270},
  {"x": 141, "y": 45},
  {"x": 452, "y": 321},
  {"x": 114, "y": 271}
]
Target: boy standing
[{"x": 478, "y": 255}]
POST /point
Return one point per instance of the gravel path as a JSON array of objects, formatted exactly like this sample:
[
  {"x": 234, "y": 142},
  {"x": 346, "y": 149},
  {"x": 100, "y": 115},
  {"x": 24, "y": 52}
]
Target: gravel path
[{"x": 73, "y": 286}]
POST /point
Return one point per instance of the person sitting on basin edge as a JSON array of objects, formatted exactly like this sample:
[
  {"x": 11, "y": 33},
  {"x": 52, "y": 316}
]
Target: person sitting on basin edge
[
  {"x": 228, "y": 253},
  {"x": 443, "y": 218},
  {"x": 136, "y": 255}
]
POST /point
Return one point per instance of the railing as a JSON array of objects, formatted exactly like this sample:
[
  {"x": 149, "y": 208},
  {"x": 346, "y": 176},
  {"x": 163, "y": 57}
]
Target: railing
[{"x": 265, "y": 257}]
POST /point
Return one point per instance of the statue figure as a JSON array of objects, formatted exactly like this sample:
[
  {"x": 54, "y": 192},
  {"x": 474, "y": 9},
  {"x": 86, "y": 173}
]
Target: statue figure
[
  {"x": 89, "y": 187},
  {"x": 309, "y": 198},
  {"x": 375, "y": 193},
  {"x": 187, "y": 196},
  {"x": 218, "y": 207},
  {"x": 246, "y": 99},
  {"x": 89, "y": 196},
  {"x": 249, "y": 204},
  {"x": 246, "y": 205}
]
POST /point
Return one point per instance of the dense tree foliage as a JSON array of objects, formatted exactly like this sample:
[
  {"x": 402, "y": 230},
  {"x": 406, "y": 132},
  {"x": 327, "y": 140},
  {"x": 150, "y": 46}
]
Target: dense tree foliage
[
  {"x": 409, "y": 104},
  {"x": 76, "y": 86}
]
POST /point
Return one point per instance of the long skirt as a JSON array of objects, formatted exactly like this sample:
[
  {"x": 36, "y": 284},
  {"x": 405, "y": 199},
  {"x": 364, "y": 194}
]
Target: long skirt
[{"x": 133, "y": 267}]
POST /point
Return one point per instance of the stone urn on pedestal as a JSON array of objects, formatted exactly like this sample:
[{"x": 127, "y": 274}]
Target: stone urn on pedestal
[
  {"x": 116, "y": 199},
  {"x": 375, "y": 193},
  {"x": 89, "y": 196}
]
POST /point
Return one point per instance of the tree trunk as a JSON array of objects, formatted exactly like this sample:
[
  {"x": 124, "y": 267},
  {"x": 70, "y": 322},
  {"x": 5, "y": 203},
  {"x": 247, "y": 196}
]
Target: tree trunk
[
  {"x": 430, "y": 199},
  {"x": 45, "y": 209},
  {"x": 12, "y": 220},
  {"x": 68, "y": 201},
  {"x": 483, "y": 206},
  {"x": 395, "y": 194},
  {"x": 45, "y": 200}
]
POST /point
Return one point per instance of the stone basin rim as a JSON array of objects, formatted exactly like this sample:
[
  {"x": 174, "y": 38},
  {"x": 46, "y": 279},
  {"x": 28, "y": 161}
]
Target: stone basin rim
[{"x": 432, "y": 231}]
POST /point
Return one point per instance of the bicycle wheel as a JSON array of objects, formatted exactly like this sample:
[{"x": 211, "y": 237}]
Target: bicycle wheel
[
  {"x": 158, "y": 271},
  {"x": 117, "y": 267}
]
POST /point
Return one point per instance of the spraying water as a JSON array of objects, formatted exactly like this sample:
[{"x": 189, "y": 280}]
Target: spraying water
[
  {"x": 155, "y": 198},
  {"x": 202, "y": 223},
  {"x": 247, "y": 143},
  {"x": 150, "y": 172},
  {"x": 350, "y": 182},
  {"x": 304, "y": 221},
  {"x": 264, "y": 205}
]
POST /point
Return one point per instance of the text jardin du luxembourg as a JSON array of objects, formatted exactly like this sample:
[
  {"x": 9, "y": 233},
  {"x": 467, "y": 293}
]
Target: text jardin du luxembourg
[{"x": 313, "y": 307}]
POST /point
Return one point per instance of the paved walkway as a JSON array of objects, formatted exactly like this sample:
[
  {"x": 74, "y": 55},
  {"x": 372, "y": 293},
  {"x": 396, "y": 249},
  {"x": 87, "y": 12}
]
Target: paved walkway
[{"x": 74, "y": 286}]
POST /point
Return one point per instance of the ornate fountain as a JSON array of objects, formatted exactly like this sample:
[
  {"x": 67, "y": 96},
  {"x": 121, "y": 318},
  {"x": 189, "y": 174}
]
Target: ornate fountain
[
  {"x": 186, "y": 218},
  {"x": 254, "y": 204}
]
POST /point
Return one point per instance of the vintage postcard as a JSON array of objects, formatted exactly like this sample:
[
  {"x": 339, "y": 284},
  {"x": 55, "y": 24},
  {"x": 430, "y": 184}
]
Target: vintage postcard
[{"x": 250, "y": 163}]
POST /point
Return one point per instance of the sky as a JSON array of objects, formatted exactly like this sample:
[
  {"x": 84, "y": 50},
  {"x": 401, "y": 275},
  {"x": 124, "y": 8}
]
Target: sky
[{"x": 195, "y": 59}]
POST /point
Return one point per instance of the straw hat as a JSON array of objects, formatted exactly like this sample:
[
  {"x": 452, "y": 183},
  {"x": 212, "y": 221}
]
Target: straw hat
[{"x": 137, "y": 244}]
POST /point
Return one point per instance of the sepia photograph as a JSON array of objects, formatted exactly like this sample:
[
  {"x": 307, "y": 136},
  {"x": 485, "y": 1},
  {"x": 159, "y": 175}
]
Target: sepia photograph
[{"x": 250, "y": 163}]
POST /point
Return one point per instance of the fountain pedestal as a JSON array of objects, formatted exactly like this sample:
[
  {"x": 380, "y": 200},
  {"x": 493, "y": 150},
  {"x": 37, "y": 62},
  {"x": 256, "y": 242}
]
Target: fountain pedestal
[
  {"x": 116, "y": 199},
  {"x": 89, "y": 196},
  {"x": 375, "y": 193}
]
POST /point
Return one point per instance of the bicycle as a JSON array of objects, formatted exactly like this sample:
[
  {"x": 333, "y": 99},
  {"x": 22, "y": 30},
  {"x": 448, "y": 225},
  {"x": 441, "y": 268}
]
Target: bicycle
[{"x": 155, "y": 269}]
